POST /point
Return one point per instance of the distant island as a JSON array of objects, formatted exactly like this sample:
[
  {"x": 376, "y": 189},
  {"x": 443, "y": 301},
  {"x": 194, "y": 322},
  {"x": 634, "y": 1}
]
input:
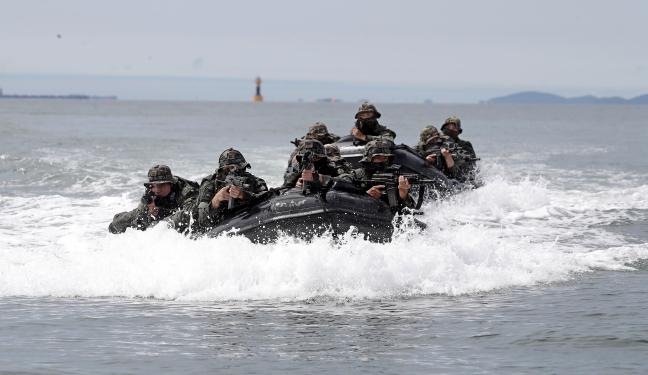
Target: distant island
[
  {"x": 535, "y": 97},
  {"x": 73, "y": 96}
]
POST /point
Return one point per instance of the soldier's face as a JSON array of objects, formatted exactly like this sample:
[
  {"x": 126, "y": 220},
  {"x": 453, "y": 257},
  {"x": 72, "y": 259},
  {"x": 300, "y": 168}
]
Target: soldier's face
[
  {"x": 161, "y": 190},
  {"x": 379, "y": 159},
  {"x": 232, "y": 168}
]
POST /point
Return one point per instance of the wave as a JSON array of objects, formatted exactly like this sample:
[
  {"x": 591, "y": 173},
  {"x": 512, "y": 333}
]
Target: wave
[{"x": 512, "y": 232}]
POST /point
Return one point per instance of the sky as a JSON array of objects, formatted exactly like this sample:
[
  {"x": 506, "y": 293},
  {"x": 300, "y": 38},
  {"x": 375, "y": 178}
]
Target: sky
[{"x": 446, "y": 47}]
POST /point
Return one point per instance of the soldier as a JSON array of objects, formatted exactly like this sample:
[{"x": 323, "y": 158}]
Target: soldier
[
  {"x": 320, "y": 132},
  {"x": 377, "y": 158},
  {"x": 367, "y": 127},
  {"x": 317, "y": 131},
  {"x": 317, "y": 170},
  {"x": 332, "y": 152},
  {"x": 452, "y": 128},
  {"x": 229, "y": 188},
  {"x": 435, "y": 149},
  {"x": 165, "y": 194}
]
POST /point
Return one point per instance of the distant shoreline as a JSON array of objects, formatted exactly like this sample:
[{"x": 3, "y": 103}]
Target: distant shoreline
[
  {"x": 535, "y": 97},
  {"x": 74, "y": 96}
]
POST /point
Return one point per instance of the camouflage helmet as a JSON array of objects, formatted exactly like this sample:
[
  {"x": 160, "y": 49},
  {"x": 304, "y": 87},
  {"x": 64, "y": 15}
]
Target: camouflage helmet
[
  {"x": 232, "y": 156},
  {"x": 314, "y": 146},
  {"x": 317, "y": 129},
  {"x": 378, "y": 147},
  {"x": 453, "y": 120},
  {"x": 160, "y": 174},
  {"x": 332, "y": 150},
  {"x": 428, "y": 132},
  {"x": 366, "y": 107}
]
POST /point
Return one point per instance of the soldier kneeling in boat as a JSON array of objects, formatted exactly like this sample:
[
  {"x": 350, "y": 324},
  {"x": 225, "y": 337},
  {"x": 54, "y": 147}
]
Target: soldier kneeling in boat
[
  {"x": 311, "y": 169},
  {"x": 377, "y": 159},
  {"x": 165, "y": 194},
  {"x": 230, "y": 188}
]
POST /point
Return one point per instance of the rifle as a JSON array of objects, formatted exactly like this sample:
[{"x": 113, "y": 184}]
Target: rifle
[
  {"x": 390, "y": 180},
  {"x": 233, "y": 179},
  {"x": 457, "y": 153},
  {"x": 307, "y": 163}
]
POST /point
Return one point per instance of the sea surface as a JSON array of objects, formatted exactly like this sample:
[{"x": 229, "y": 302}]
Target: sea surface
[{"x": 543, "y": 270}]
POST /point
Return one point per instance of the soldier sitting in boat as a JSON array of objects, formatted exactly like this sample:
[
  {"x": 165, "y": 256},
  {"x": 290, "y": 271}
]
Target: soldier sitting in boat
[
  {"x": 452, "y": 128},
  {"x": 311, "y": 168},
  {"x": 377, "y": 159},
  {"x": 367, "y": 128},
  {"x": 317, "y": 131},
  {"x": 332, "y": 152},
  {"x": 436, "y": 150},
  {"x": 165, "y": 194},
  {"x": 231, "y": 187}
]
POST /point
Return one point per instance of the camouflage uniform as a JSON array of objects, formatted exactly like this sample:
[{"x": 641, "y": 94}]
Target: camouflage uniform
[
  {"x": 465, "y": 145},
  {"x": 317, "y": 131},
  {"x": 468, "y": 167},
  {"x": 206, "y": 216},
  {"x": 182, "y": 196},
  {"x": 322, "y": 165},
  {"x": 360, "y": 176},
  {"x": 342, "y": 166},
  {"x": 431, "y": 142},
  {"x": 370, "y": 127}
]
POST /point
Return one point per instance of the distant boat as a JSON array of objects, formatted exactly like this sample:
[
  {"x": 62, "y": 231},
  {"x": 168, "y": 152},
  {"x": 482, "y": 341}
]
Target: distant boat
[{"x": 328, "y": 100}]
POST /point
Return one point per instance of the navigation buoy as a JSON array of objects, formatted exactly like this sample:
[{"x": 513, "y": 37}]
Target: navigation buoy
[{"x": 258, "y": 97}]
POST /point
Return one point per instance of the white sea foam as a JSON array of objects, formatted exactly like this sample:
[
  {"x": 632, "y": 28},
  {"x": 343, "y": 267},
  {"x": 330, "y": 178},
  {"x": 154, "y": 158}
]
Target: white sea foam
[{"x": 511, "y": 232}]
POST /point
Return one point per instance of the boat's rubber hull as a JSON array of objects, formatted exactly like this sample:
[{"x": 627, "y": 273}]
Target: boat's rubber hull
[{"x": 301, "y": 216}]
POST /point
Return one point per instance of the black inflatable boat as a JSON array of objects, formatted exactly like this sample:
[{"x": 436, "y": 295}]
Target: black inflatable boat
[
  {"x": 336, "y": 211},
  {"x": 306, "y": 216}
]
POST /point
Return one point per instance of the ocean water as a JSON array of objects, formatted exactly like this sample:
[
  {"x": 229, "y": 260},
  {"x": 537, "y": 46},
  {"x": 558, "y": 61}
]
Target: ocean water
[{"x": 542, "y": 270}]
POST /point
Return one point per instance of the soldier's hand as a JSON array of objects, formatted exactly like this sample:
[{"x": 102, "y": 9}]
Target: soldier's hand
[
  {"x": 152, "y": 209},
  {"x": 299, "y": 183},
  {"x": 220, "y": 197},
  {"x": 447, "y": 155},
  {"x": 358, "y": 134},
  {"x": 403, "y": 183},
  {"x": 403, "y": 187},
  {"x": 236, "y": 192},
  {"x": 431, "y": 158},
  {"x": 307, "y": 175},
  {"x": 376, "y": 191}
]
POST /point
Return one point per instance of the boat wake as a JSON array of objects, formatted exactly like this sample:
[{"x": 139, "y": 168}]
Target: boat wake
[{"x": 509, "y": 233}]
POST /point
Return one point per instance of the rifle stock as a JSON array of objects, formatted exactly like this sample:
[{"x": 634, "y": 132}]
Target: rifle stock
[{"x": 306, "y": 163}]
